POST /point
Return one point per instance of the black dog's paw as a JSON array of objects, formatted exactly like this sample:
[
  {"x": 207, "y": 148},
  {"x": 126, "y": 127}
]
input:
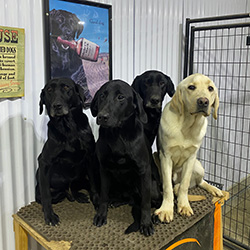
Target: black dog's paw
[
  {"x": 134, "y": 227},
  {"x": 156, "y": 203},
  {"x": 115, "y": 204},
  {"x": 148, "y": 229},
  {"x": 155, "y": 219},
  {"x": 52, "y": 219},
  {"x": 81, "y": 198},
  {"x": 69, "y": 196},
  {"x": 100, "y": 220}
]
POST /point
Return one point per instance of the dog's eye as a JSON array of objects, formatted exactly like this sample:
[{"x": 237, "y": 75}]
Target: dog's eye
[
  {"x": 49, "y": 90},
  {"x": 191, "y": 87},
  {"x": 66, "y": 88},
  {"x": 60, "y": 20},
  {"x": 210, "y": 88},
  {"x": 120, "y": 97},
  {"x": 161, "y": 83}
]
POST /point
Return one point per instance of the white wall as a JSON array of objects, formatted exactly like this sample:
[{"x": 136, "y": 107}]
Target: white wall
[{"x": 147, "y": 34}]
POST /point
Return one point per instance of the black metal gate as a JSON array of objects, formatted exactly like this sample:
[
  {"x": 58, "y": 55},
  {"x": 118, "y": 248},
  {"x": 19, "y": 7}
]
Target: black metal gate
[{"x": 221, "y": 52}]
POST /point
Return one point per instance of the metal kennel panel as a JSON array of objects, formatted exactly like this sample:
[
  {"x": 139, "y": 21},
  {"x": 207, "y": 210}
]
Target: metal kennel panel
[{"x": 222, "y": 53}]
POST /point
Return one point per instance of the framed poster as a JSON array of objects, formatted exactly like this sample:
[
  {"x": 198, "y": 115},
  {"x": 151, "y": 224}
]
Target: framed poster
[
  {"x": 12, "y": 46},
  {"x": 78, "y": 43}
]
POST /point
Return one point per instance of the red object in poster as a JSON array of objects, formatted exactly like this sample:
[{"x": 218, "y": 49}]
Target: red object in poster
[{"x": 84, "y": 48}]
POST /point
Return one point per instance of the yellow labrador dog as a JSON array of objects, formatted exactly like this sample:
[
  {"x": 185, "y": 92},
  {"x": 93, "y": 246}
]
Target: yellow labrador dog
[{"x": 182, "y": 127}]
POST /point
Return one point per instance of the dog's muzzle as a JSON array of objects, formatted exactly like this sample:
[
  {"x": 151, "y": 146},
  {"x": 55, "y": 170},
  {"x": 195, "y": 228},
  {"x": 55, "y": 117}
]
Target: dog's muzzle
[
  {"x": 102, "y": 119},
  {"x": 154, "y": 102},
  {"x": 202, "y": 106},
  {"x": 58, "y": 109},
  {"x": 202, "y": 103},
  {"x": 107, "y": 121}
]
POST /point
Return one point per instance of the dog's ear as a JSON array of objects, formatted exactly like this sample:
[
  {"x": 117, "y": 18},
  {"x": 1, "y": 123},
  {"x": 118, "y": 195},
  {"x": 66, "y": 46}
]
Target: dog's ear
[
  {"x": 42, "y": 102},
  {"x": 79, "y": 27},
  {"x": 170, "y": 86},
  {"x": 215, "y": 105},
  {"x": 177, "y": 103},
  {"x": 136, "y": 84},
  {"x": 94, "y": 105},
  {"x": 139, "y": 108},
  {"x": 80, "y": 93},
  {"x": 52, "y": 13}
]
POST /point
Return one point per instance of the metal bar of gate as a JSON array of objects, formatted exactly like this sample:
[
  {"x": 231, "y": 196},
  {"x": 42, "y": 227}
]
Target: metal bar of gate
[
  {"x": 222, "y": 26},
  {"x": 200, "y": 20},
  {"x": 191, "y": 58},
  {"x": 202, "y": 28},
  {"x": 191, "y": 63}
]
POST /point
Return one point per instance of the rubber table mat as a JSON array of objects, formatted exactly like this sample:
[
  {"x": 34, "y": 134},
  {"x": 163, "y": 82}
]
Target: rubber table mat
[{"x": 76, "y": 225}]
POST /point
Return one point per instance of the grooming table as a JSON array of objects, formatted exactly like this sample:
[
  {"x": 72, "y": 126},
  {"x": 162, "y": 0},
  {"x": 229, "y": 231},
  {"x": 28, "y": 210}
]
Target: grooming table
[{"x": 76, "y": 230}]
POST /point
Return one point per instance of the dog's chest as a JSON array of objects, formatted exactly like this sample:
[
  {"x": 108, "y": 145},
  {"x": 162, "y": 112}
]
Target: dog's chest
[
  {"x": 118, "y": 147},
  {"x": 119, "y": 166},
  {"x": 119, "y": 156},
  {"x": 179, "y": 154}
]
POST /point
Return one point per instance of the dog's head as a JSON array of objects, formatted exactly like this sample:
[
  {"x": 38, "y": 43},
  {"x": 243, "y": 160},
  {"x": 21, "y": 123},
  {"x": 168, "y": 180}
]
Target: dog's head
[
  {"x": 115, "y": 102},
  {"x": 65, "y": 24},
  {"x": 60, "y": 95},
  {"x": 152, "y": 86},
  {"x": 196, "y": 94}
]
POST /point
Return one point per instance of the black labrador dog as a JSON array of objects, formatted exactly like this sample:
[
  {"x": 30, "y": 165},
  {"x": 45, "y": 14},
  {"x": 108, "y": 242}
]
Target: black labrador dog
[
  {"x": 123, "y": 152},
  {"x": 152, "y": 86},
  {"x": 65, "y": 164},
  {"x": 64, "y": 61}
]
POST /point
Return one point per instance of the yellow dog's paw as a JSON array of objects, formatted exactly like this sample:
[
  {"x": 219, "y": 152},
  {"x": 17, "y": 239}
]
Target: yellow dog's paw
[
  {"x": 185, "y": 210},
  {"x": 165, "y": 215},
  {"x": 215, "y": 191}
]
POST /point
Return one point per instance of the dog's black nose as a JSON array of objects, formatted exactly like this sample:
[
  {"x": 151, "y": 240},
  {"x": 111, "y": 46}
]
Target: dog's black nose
[
  {"x": 57, "y": 106},
  {"x": 202, "y": 102},
  {"x": 155, "y": 100},
  {"x": 102, "y": 118}
]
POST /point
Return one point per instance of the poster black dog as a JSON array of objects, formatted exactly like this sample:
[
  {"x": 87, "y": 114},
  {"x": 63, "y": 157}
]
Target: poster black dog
[{"x": 64, "y": 61}]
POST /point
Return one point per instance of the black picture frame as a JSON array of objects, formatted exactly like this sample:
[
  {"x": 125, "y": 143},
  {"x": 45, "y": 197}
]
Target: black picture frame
[{"x": 87, "y": 59}]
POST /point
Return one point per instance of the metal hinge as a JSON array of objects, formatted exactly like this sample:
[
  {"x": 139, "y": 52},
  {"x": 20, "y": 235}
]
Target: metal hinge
[{"x": 248, "y": 40}]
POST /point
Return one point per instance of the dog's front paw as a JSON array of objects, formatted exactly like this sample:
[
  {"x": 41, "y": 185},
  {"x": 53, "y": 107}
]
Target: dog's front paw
[
  {"x": 215, "y": 191},
  {"x": 155, "y": 219},
  {"x": 185, "y": 209},
  {"x": 134, "y": 227},
  {"x": 147, "y": 229},
  {"x": 100, "y": 220},
  {"x": 51, "y": 219},
  {"x": 165, "y": 215},
  {"x": 81, "y": 198}
]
